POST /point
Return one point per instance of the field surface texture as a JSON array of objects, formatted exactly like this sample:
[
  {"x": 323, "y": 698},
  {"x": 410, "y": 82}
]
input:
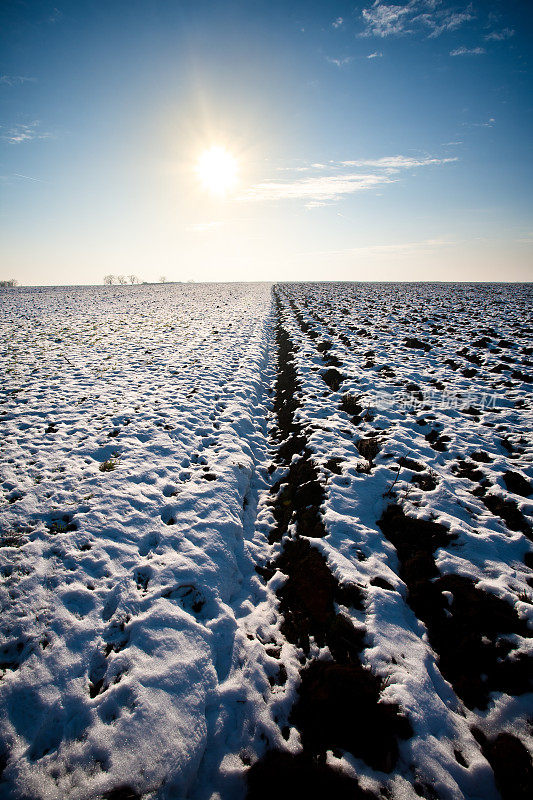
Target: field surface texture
[{"x": 266, "y": 542}]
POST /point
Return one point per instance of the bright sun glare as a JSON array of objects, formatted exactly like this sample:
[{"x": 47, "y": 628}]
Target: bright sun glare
[{"x": 217, "y": 170}]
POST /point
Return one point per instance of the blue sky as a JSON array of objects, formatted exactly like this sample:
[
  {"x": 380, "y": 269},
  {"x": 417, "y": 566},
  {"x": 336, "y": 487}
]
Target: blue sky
[{"x": 374, "y": 141}]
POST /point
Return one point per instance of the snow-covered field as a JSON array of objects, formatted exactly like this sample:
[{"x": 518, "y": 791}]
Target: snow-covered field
[{"x": 260, "y": 541}]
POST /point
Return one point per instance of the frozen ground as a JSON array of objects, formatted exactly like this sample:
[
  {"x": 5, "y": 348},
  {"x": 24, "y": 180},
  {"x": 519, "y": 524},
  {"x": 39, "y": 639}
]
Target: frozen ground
[
  {"x": 133, "y": 432},
  {"x": 289, "y": 530}
]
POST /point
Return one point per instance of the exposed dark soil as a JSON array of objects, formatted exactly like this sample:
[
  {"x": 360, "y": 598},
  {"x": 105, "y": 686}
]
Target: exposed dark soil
[
  {"x": 283, "y": 776},
  {"x": 333, "y": 378},
  {"x": 437, "y": 441},
  {"x": 369, "y": 446},
  {"x": 307, "y": 600},
  {"x": 338, "y": 704},
  {"x": 122, "y": 793},
  {"x": 409, "y": 463},
  {"x": 466, "y": 469},
  {"x": 517, "y": 484},
  {"x": 299, "y": 496},
  {"x": 480, "y": 456},
  {"x": 417, "y": 344},
  {"x": 338, "y": 707},
  {"x": 509, "y": 512},
  {"x": 334, "y": 465},
  {"x": 287, "y": 386},
  {"x": 350, "y": 404},
  {"x": 467, "y": 634},
  {"x": 511, "y": 763},
  {"x": 425, "y": 481}
]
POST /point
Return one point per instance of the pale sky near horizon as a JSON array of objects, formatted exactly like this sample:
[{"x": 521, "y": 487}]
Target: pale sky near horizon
[{"x": 372, "y": 141}]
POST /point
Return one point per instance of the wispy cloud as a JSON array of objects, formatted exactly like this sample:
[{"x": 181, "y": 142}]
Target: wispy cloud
[
  {"x": 499, "y": 36},
  {"x": 317, "y": 190},
  {"x": 487, "y": 124},
  {"x": 339, "y": 62},
  {"x": 397, "y": 163},
  {"x": 28, "y": 177},
  {"x": 303, "y": 167},
  {"x": 337, "y": 23},
  {"x": 15, "y": 80},
  {"x": 55, "y": 16},
  {"x": 468, "y": 51},
  {"x": 386, "y": 20},
  {"x": 338, "y": 179},
  {"x": 444, "y": 21},
  {"x": 15, "y": 178},
  {"x": 23, "y": 133},
  {"x": 376, "y": 54},
  {"x": 429, "y": 16}
]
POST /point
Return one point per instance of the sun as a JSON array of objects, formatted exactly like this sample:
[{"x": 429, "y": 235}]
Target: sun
[{"x": 217, "y": 170}]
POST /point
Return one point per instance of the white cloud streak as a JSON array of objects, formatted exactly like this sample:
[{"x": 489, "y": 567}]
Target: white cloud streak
[
  {"x": 488, "y": 124},
  {"x": 429, "y": 16},
  {"x": 340, "y": 62},
  {"x": 499, "y": 36},
  {"x": 339, "y": 179},
  {"x": 316, "y": 191},
  {"x": 28, "y": 177},
  {"x": 376, "y": 54},
  {"x": 397, "y": 163},
  {"x": 386, "y": 20},
  {"x": 468, "y": 51},
  {"x": 15, "y": 80},
  {"x": 446, "y": 21},
  {"x": 23, "y": 133}
]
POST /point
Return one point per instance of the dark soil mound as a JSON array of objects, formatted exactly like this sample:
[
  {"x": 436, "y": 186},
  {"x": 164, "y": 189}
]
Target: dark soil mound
[
  {"x": 338, "y": 707},
  {"x": 283, "y": 776},
  {"x": 517, "y": 484},
  {"x": 468, "y": 633},
  {"x": 511, "y": 763}
]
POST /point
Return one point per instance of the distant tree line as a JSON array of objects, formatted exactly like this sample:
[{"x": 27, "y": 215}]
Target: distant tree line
[
  {"x": 121, "y": 280},
  {"x": 8, "y": 283}
]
